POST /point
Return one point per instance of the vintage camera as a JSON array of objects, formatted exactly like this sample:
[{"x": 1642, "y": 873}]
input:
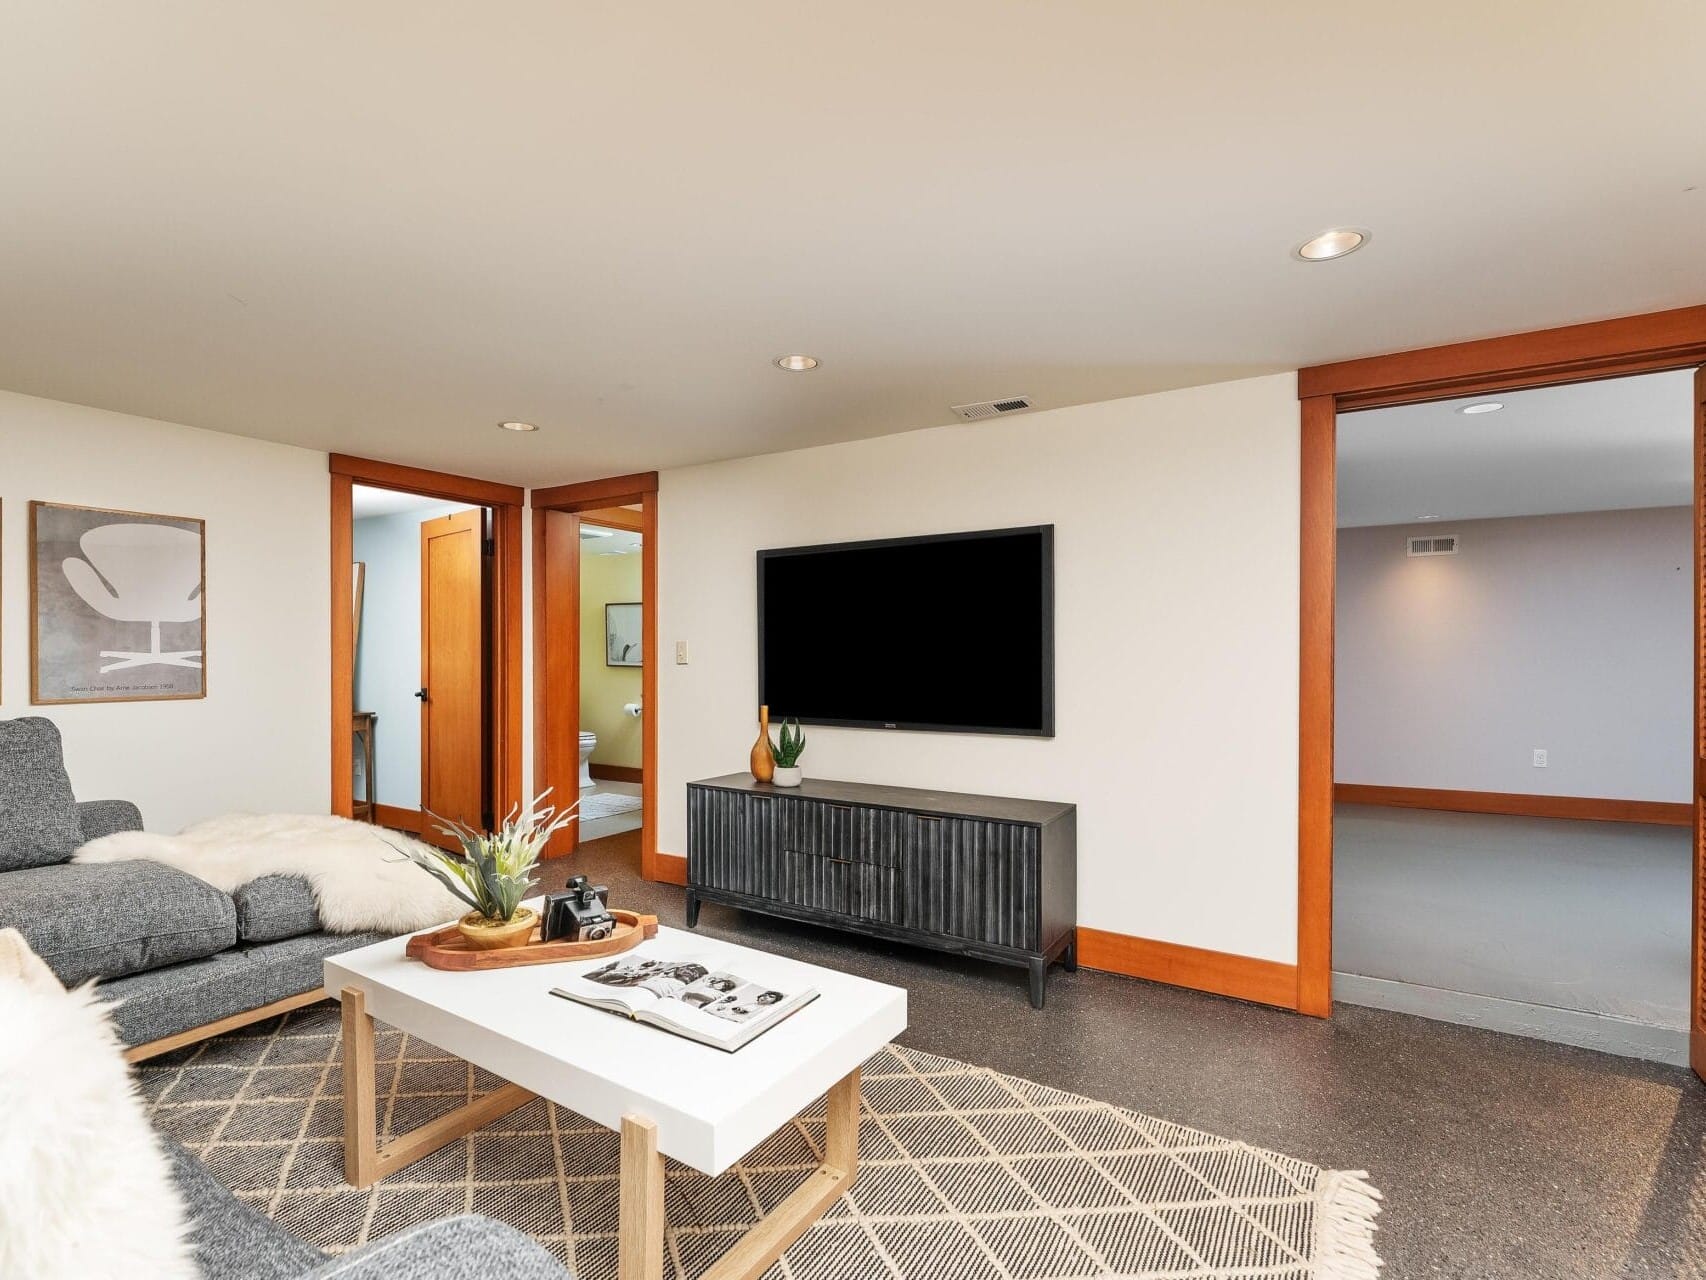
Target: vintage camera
[{"x": 578, "y": 914}]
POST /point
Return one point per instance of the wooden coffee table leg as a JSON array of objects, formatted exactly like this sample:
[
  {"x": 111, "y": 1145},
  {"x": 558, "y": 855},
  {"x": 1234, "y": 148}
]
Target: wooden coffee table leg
[
  {"x": 365, "y": 1161},
  {"x": 641, "y": 1231},
  {"x": 640, "y": 1228}
]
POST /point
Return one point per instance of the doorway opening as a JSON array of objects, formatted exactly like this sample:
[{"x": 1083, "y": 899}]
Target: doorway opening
[
  {"x": 612, "y": 777},
  {"x": 1513, "y": 717},
  {"x": 426, "y": 647},
  {"x": 422, "y": 716},
  {"x": 587, "y": 539}
]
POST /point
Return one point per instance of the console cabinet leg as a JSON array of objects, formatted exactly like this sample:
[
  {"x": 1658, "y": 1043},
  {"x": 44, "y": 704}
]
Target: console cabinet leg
[
  {"x": 692, "y": 910},
  {"x": 1039, "y": 981},
  {"x": 1069, "y": 961}
]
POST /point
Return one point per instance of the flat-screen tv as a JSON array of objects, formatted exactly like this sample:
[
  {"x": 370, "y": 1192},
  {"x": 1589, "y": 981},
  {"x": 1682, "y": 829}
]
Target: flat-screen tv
[{"x": 952, "y": 633}]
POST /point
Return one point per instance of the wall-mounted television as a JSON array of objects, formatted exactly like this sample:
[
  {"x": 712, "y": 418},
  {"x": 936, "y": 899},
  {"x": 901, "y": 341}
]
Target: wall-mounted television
[{"x": 953, "y": 633}]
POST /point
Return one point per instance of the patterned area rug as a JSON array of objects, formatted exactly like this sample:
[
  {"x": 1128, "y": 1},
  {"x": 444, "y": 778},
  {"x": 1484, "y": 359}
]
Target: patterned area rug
[{"x": 965, "y": 1174}]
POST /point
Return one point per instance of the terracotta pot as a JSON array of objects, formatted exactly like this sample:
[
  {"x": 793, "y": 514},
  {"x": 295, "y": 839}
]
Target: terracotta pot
[
  {"x": 487, "y": 935},
  {"x": 763, "y": 758}
]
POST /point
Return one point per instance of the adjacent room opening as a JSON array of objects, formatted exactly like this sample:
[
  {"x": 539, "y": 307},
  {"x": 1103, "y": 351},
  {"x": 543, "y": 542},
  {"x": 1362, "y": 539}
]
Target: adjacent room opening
[
  {"x": 1513, "y": 730},
  {"x": 422, "y": 675},
  {"x": 612, "y": 777}
]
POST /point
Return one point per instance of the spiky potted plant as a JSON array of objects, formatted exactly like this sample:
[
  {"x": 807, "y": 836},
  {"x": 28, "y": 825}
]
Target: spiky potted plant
[
  {"x": 789, "y": 748},
  {"x": 493, "y": 871}
]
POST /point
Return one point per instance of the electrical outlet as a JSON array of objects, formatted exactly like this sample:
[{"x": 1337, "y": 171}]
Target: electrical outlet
[
  {"x": 1540, "y": 757},
  {"x": 681, "y": 653}
]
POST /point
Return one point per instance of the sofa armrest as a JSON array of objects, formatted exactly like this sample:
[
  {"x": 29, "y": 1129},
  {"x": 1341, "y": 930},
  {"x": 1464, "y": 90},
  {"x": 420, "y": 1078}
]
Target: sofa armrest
[
  {"x": 104, "y": 817},
  {"x": 465, "y": 1248}
]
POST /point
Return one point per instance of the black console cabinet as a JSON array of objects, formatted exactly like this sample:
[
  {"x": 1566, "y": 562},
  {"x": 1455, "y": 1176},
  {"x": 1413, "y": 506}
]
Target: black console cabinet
[{"x": 976, "y": 875}]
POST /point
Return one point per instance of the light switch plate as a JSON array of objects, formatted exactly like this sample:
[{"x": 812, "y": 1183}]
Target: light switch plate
[{"x": 681, "y": 653}]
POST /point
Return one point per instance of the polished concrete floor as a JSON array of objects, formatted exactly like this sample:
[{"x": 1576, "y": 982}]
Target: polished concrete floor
[
  {"x": 1552, "y": 919},
  {"x": 1499, "y": 1157}
]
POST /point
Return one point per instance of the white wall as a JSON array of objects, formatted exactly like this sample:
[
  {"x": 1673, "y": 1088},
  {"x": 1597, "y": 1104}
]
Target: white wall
[
  {"x": 258, "y": 740},
  {"x": 1176, "y": 579},
  {"x": 1572, "y": 633},
  {"x": 388, "y": 666}
]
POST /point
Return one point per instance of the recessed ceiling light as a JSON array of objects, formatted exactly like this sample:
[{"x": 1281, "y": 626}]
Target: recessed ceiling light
[
  {"x": 1332, "y": 244},
  {"x": 795, "y": 364},
  {"x": 518, "y": 426},
  {"x": 1485, "y": 406},
  {"x": 1427, "y": 517}
]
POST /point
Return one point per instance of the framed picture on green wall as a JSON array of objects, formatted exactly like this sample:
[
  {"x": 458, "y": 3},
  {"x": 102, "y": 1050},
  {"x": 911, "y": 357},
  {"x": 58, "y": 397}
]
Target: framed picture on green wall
[{"x": 622, "y": 635}]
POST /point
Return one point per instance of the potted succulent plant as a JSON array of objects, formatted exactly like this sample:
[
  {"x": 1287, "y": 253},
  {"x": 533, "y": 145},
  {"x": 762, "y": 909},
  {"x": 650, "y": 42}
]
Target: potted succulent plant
[
  {"x": 789, "y": 748},
  {"x": 492, "y": 873}
]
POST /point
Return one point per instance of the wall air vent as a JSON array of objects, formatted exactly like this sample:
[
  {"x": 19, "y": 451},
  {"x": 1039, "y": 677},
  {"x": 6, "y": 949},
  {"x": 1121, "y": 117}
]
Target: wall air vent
[
  {"x": 1442, "y": 544},
  {"x": 992, "y": 408}
]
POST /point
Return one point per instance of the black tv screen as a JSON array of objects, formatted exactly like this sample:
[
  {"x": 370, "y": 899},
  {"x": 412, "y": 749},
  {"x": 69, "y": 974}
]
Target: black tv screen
[{"x": 953, "y": 632}]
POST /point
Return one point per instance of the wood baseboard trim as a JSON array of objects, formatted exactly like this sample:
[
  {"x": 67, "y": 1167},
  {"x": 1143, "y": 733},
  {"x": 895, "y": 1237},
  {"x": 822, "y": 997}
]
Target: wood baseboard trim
[
  {"x": 617, "y": 772},
  {"x": 390, "y": 815},
  {"x": 1512, "y": 804},
  {"x": 1217, "y": 972},
  {"x": 154, "y": 1048}
]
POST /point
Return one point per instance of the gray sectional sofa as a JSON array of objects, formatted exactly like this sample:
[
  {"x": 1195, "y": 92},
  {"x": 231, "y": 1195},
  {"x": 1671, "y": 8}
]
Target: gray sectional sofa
[
  {"x": 177, "y": 955},
  {"x": 234, "y": 1242},
  {"x": 184, "y": 961}
]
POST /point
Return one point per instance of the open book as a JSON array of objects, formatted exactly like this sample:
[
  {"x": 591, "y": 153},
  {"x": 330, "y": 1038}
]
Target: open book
[{"x": 681, "y": 994}]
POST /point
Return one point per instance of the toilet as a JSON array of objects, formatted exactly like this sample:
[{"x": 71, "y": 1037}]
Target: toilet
[{"x": 589, "y": 741}]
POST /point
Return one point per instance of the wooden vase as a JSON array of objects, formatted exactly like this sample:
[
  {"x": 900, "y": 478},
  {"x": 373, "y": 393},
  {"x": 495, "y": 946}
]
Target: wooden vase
[{"x": 763, "y": 759}]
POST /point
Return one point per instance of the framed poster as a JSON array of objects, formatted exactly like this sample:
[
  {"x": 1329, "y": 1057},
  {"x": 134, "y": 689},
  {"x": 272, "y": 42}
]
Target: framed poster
[
  {"x": 622, "y": 635},
  {"x": 117, "y": 605}
]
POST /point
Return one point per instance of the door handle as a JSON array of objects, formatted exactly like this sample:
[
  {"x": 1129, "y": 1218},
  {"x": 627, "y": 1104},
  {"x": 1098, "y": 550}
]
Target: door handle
[{"x": 421, "y": 694}]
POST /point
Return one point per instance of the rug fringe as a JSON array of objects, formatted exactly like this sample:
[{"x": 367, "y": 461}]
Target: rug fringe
[{"x": 1346, "y": 1205}]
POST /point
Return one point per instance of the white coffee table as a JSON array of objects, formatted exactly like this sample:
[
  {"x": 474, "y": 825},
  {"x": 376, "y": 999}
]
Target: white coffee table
[{"x": 665, "y": 1095}]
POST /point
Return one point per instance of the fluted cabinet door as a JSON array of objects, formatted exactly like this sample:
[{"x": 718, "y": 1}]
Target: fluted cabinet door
[{"x": 973, "y": 880}]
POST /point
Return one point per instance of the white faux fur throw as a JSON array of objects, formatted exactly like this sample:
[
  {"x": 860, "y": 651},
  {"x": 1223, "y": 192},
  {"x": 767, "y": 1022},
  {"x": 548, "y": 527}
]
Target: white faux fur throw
[
  {"x": 360, "y": 880},
  {"x": 85, "y": 1189}
]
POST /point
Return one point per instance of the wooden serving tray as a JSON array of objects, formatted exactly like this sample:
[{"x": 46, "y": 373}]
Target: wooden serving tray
[{"x": 447, "y": 949}]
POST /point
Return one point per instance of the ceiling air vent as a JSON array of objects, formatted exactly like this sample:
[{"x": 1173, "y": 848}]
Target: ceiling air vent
[
  {"x": 1442, "y": 544},
  {"x": 992, "y": 408}
]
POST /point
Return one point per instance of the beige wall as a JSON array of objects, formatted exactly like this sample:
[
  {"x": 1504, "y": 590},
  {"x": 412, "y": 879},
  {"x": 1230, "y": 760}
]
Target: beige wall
[
  {"x": 604, "y": 689},
  {"x": 1176, "y": 580},
  {"x": 1569, "y": 633},
  {"x": 258, "y": 740}
]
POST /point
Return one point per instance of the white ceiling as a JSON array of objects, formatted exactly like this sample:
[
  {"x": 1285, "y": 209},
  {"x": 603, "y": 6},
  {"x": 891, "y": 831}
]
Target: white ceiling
[
  {"x": 620, "y": 542},
  {"x": 385, "y": 502},
  {"x": 381, "y": 227},
  {"x": 1593, "y": 446}
]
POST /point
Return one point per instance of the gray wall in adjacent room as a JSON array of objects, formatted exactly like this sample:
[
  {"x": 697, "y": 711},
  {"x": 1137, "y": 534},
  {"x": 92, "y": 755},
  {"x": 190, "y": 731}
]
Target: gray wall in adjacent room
[
  {"x": 1567, "y": 632},
  {"x": 388, "y": 664}
]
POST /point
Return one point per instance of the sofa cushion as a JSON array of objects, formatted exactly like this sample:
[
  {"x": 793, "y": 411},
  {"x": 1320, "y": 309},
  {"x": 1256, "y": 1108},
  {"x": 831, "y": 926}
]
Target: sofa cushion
[
  {"x": 161, "y": 1003},
  {"x": 270, "y": 908},
  {"x": 106, "y": 919},
  {"x": 38, "y": 814}
]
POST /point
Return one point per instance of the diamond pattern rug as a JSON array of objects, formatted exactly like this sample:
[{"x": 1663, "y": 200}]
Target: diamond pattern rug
[{"x": 965, "y": 1174}]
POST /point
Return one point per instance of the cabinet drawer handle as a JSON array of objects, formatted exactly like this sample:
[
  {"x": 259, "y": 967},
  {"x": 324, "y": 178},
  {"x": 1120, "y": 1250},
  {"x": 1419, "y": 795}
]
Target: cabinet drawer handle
[{"x": 928, "y": 817}]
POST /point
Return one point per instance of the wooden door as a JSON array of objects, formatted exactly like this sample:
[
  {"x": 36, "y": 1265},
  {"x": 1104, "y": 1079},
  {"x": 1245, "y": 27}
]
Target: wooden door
[
  {"x": 453, "y": 665},
  {"x": 1697, "y": 1002}
]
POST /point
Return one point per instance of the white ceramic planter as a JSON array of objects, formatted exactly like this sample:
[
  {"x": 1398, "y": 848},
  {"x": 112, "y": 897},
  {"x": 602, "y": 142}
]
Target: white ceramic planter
[{"x": 789, "y": 777}]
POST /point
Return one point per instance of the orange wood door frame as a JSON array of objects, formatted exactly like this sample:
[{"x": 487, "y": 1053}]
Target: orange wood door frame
[
  {"x": 556, "y": 665},
  {"x": 506, "y": 502},
  {"x": 556, "y": 715},
  {"x": 1549, "y": 357}
]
